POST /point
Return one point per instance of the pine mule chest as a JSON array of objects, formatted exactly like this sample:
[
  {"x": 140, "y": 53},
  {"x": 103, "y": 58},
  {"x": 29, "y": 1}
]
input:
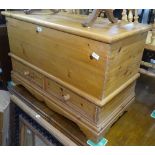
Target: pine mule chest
[{"x": 86, "y": 74}]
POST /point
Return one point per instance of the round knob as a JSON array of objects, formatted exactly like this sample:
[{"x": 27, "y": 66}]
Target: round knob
[
  {"x": 26, "y": 73},
  {"x": 66, "y": 97}
]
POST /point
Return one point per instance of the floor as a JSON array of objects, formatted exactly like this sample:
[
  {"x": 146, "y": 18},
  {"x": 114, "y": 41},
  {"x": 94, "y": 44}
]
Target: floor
[{"x": 136, "y": 127}]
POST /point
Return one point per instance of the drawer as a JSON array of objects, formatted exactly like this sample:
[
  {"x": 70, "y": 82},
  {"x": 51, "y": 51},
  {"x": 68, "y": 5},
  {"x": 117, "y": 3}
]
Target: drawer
[
  {"x": 71, "y": 99},
  {"x": 28, "y": 73}
]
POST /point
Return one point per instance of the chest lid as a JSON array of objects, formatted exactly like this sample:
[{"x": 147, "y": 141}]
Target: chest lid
[{"x": 103, "y": 30}]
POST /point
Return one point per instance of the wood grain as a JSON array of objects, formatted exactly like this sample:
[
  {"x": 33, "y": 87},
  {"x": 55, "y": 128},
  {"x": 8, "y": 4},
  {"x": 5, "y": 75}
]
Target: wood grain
[
  {"x": 72, "y": 24},
  {"x": 93, "y": 130},
  {"x": 70, "y": 51},
  {"x": 116, "y": 60},
  {"x": 86, "y": 75}
]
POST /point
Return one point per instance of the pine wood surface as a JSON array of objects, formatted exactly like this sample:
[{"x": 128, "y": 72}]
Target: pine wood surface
[
  {"x": 54, "y": 60},
  {"x": 92, "y": 129},
  {"x": 68, "y": 55},
  {"x": 73, "y": 25}
]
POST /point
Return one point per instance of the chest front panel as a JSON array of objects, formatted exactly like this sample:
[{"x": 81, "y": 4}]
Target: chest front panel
[{"x": 60, "y": 54}]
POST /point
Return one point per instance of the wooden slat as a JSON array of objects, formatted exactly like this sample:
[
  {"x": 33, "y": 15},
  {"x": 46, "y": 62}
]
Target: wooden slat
[
  {"x": 150, "y": 47},
  {"x": 143, "y": 71},
  {"x": 147, "y": 64}
]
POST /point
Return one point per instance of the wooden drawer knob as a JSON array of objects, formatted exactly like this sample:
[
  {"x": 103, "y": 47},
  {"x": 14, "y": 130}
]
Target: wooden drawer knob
[
  {"x": 66, "y": 97},
  {"x": 26, "y": 73}
]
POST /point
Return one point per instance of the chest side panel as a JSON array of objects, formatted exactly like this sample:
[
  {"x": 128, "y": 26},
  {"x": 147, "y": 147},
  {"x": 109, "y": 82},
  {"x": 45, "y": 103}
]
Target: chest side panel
[{"x": 124, "y": 62}]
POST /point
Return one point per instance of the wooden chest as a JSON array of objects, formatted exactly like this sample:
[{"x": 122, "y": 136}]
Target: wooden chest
[{"x": 86, "y": 74}]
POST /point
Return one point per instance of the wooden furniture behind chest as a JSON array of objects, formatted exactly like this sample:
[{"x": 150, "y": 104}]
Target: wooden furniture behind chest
[
  {"x": 86, "y": 74},
  {"x": 4, "y": 117},
  {"x": 5, "y": 61},
  {"x": 25, "y": 108}
]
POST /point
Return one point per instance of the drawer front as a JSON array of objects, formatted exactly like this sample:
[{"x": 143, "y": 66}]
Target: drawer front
[
  {"x": 71, "y": 99},
  {"x": 61, "y": 54},
  {"x": 28, "y": 73}
]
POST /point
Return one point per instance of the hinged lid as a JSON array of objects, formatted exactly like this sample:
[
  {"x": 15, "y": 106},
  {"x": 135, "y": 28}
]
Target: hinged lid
[{"x": 103, "y": 30}]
